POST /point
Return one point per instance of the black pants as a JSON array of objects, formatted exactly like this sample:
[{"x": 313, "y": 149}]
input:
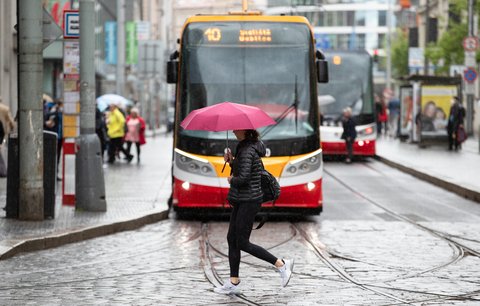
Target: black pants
[
  {"x": 452, "y": 140},
  {"x": 129, "y": 146},
  {"x": 116, "y": 144},
  {"x": 349, "y": 145},
  {"x": 241, "y": 223}
]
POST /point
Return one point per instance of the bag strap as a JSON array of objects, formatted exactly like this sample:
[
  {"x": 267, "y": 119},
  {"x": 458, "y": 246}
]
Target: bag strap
[
  {"x": 262, "y": 221},
  {"x": 264, "y": 217}
]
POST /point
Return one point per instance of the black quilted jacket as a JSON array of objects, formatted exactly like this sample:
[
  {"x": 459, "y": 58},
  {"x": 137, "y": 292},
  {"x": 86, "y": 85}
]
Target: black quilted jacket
[{"x": 245, "y": 185}]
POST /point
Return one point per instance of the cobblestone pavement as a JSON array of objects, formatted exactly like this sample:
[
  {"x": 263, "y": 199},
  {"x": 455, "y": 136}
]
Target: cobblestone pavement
[
  {"x": 385, "y": 238},
  {"x": 162, "y": 264}
]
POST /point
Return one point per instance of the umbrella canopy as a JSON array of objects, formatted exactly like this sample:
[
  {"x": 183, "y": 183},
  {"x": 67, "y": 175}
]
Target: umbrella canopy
[
  {"x": 104, "y": 101},
  {"x": 47, "y": 98},
  {"x": 226, "y": 116}
]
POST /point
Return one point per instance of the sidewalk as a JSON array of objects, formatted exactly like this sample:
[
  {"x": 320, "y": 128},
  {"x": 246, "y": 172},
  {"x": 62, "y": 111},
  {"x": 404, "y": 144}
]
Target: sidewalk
[
  {"x": 458, "y": 172},
  {"x": 136, "y": 194}
]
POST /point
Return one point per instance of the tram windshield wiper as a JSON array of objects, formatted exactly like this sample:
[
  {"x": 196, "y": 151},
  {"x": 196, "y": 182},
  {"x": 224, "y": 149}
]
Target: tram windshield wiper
[{"x": 284, "y": 114}]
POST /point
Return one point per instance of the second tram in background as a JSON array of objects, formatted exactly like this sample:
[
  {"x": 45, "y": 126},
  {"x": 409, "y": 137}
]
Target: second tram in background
[{"x": 350, "y": 85}]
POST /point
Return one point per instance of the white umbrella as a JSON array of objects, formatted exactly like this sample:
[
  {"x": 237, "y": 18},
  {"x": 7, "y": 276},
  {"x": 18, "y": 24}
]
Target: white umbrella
[{"x": 104, "y": 101}]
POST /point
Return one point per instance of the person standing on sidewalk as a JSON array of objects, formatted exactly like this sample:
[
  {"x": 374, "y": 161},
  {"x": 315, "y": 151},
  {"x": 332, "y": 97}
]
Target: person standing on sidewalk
[
  {"x": 245, "y": 196},
  {"x": 101, "y": 131},
  {"x": 349, "y": 132},
  {"x": 6, "y": 125},
  {"x": 135, "y": 131},
  {"x": 455, "y": 121},
  {"x": 116, "y": 132}
]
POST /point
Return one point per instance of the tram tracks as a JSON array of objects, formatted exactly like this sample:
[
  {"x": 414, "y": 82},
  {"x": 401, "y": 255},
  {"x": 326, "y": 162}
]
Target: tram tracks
[
  {"x": 459, "y": 250},
  {"x": 209, "y": 267}
]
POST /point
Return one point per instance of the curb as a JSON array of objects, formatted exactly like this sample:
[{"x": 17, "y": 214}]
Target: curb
[
  {"x": 55, "y": 240},
  {"x": 457, "y": 189}
]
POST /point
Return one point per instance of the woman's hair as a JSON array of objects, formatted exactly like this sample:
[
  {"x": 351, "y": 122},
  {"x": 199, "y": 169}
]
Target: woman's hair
[{"x": 251, "y": 135}]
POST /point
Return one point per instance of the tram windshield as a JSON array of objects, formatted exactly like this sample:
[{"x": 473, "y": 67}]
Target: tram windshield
[
  {"x": 350, "y": 85},
  {"x": 256, "y": 63}
]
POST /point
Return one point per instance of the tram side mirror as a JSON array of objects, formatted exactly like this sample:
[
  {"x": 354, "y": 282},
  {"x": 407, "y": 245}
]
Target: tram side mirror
[
  {"x": 322, "y": 68},
  {"x": 172, "y": 72},
  {"x": 172, "y": 68},
  {"x": 322, "y": 71}
]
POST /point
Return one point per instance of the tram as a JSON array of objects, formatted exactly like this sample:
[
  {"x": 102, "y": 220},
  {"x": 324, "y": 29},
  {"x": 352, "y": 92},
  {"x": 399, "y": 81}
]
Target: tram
[
  {"x": 265, "y": 61},
  {"x": 350, "y": 85}
]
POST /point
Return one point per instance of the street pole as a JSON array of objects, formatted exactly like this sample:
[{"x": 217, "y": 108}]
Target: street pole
[
  {"x": 120, "y": 47},
  {"x": 427, "y": 13},
  {"x": 389, "y": 45},
  {"x": 30, "y": 115},
  {"x": 89, "y": 181},
  {"x": 470, "y": 95}
]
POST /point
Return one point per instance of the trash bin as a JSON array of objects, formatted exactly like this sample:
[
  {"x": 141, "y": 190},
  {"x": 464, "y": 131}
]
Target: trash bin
[{"x": 49, "y": 175}]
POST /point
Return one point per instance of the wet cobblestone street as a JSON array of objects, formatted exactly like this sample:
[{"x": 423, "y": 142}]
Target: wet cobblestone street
[{"x": 361, "y": 263}]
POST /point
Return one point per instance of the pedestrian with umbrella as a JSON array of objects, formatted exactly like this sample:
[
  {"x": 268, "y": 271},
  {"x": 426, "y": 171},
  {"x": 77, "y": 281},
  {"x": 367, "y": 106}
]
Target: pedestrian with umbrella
[{"x": 245, "y": 194}]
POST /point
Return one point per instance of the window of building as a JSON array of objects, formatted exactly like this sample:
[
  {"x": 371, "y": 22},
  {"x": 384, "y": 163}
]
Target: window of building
[
  {"x": 382, "y": 18},
  {"x": 350, "y": 18},
  {"x": 360, "y": 18},
  {"x": 381, "y": 41}
]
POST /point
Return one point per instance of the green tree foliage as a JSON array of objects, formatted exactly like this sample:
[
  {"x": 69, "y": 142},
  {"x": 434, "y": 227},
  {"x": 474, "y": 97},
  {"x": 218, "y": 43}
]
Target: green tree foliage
[
  {"x": 399, "y": 49},
  {"x": 449, "y": 48}
]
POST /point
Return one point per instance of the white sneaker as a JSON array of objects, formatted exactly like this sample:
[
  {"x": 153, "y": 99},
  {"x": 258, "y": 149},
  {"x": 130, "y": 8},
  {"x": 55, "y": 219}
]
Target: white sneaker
[
  {"x": 286, "y": 271},
  {"x": 227, "y": 288}
]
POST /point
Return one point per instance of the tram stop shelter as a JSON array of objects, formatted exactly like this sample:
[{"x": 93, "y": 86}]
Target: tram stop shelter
[{"x": 425, "y": 106}]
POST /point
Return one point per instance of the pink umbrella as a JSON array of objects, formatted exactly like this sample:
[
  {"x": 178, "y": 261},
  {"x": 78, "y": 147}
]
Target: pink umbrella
[{"x": 226, "y": 116}]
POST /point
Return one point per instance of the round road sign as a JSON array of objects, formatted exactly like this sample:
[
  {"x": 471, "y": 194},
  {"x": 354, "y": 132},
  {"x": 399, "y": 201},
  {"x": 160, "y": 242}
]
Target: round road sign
[
  {"x": 470, "y": 43},
  {"x": 470, "y": 75}
]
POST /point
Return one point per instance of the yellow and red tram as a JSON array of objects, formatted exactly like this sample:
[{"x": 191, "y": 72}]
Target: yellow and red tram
[{"x": 266, "y": 61}]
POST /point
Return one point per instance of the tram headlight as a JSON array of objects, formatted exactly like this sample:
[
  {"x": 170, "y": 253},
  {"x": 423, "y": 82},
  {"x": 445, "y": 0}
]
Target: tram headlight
[
  {"x": 369, "y": 130},
  {"x": 193, "y": 164},
  {"x": 303, "y": 165}
]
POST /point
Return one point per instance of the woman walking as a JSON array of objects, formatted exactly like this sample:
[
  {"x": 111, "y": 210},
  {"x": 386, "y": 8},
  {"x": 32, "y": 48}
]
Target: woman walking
[
  {"x": 245, "y": 195},
  {"x": 135, "y": 131}
]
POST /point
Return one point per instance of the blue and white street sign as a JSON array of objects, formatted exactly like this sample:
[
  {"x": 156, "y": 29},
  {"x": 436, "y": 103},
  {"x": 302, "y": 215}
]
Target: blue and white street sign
[
  {"x": 111, "y": 42},
  {"x": 470, "y": 75},
  {"x": 72, "y": 24}
]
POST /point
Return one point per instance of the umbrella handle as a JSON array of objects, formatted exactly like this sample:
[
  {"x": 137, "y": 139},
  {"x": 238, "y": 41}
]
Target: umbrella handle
[{"x": 227, "y": 150}]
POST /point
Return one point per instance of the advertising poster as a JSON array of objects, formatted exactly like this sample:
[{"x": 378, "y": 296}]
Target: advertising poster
[
  {"x": 406, "y": 110},
  {"x": 71, "y": 57},
  {"x": 435, "y": 106}
]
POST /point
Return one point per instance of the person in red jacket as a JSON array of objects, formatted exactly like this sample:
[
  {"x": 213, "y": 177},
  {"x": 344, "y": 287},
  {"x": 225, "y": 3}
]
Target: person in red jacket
[{"x": 135, "y": 131}]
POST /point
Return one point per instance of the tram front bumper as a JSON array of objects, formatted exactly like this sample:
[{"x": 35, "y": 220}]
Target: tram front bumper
[{"x": 304, "y": 196}]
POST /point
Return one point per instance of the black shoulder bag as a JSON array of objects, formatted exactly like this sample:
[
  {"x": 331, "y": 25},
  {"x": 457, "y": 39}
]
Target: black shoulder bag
[
  {"x": 270, "y": 190},
  {"x": 270, "y": 186}
]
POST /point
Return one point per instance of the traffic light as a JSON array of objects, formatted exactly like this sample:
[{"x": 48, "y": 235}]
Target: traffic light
[
  {"x": 432, "y": 30},
  {"x": 375, "y": 56},
  {"x": 413, "y": 37}
]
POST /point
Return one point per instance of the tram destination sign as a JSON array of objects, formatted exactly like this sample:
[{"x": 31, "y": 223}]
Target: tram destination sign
[{"x": 235, "y": 33}]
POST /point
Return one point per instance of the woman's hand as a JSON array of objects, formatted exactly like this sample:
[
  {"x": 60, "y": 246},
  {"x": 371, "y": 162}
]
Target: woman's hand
[{"x": 228, "y": 157}]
